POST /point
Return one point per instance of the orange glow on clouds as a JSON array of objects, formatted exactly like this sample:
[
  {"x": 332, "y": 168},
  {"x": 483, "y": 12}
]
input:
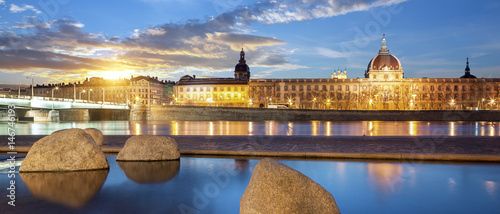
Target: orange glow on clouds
[{"x": 112, "y": 74}]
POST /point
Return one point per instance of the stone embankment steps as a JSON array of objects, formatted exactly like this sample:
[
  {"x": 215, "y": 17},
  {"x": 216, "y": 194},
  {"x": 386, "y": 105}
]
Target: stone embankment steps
[{"x": 439, "y": 148}]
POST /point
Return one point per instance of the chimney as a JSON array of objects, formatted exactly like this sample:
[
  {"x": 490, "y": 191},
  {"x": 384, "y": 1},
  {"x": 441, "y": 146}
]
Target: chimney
[{"x": 194, "y": 76}]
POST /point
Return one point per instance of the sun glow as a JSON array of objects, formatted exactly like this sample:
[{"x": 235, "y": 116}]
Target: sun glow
[{"x": 113, "y": 74}]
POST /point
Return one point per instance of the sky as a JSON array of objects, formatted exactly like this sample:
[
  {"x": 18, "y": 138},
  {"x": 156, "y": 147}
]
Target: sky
[{"x": 53, "y": 41}]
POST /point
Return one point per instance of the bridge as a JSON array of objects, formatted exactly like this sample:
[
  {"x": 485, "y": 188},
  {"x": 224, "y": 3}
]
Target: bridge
[
  {"x": 46, "y": 109},
  {"x": 55, "y": 103}
]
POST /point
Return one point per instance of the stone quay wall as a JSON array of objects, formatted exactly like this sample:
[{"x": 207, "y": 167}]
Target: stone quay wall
[{"x": 259, "y": 114}]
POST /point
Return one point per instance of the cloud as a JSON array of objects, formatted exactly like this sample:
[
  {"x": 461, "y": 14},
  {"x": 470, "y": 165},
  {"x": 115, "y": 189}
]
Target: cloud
[
  {"x": 16, "y": 9},
  {"x": 62, "y": 50},
  {"x": 2, "y": 2},
  {"x": 329, "y": 53}
]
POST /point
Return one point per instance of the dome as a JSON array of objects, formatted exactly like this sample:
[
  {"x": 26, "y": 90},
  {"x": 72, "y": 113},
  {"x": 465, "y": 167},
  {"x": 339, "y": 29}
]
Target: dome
[
  {"x": 467, "y": 71},
  {"x": 384, "y": 60},
  {"x": 242, "y": 67}
]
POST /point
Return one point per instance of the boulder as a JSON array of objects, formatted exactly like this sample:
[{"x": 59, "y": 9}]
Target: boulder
[
  {"x": 277, "y": 188},
  {"x": 72, "y": 189},
  {"x": 149, "y": 148},
  {"x": 66, "y": 150},
  {"x": 96, "y": 134},
  {"x": 150, "y": 171}
]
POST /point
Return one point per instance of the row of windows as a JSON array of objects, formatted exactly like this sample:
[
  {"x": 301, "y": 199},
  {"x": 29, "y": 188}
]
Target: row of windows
[
  {"x": 316, "y": 87},
  {"x": 208, "y": 89}
]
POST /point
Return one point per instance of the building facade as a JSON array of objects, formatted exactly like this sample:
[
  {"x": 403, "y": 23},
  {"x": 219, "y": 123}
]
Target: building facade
[
  {"x": 234, "y": 92},
  {"x": 383, "y": 88},
  {"x": 136, "y": 90}
]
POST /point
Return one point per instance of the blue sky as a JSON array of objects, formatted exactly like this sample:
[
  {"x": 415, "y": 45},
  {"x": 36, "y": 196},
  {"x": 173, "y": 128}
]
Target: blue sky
[{"x": 67, "y": 40}]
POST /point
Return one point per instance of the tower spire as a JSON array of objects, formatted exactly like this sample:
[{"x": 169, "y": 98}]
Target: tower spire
[
  {"x": 467, "y": 69},
  {"x": 242, "y": 57}
]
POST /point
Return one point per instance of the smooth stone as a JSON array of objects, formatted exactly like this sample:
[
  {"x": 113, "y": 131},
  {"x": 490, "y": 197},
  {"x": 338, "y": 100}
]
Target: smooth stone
[
  {"x": 150, "y": 171},
  {"x": 72, "y": 189},
  {"x": 96, "y": 134},
  {"x": 66, "y": 150},
  {"x": 149, "y": 148},
  {"x": 277, "y": 188}
]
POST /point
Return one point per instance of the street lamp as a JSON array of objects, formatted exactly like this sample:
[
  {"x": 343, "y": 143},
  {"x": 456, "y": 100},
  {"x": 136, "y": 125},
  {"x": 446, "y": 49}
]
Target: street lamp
[
  {"x": 32, "y": 85},
  {"x": 57, "y": 88},
  {"x": 88, "y": 99}
]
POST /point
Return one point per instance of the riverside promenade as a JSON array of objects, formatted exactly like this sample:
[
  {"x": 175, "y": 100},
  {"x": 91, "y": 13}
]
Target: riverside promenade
[{"x": 431, "y": 148}]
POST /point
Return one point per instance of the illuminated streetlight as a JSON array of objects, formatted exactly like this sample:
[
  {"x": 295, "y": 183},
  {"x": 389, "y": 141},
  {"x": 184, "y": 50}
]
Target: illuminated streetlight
[{"x": 57, "y": 88}]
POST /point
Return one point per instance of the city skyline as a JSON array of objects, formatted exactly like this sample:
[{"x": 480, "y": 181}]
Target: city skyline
[{"x": 61, "y": 41}]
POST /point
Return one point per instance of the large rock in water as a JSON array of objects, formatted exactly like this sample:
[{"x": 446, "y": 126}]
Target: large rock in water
[
  {"x": 149, "y": 148},
  {"x": 66, "y": 150},
  {"x": 96, "y": 135},
  {"x": 277, "y": 188}
]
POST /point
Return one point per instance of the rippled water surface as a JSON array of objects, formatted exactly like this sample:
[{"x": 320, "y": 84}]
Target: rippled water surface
[
  {"x": 212, "y": 185},
  {"x": 303, "y": 128}
]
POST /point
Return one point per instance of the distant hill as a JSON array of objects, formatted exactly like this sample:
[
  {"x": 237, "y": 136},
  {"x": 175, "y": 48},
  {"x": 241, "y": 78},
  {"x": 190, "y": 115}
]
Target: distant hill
[{"x": 13, "y": 86}]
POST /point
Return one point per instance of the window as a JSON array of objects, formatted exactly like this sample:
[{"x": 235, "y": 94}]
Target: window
[
  {"x": 316, "y": 87},
  {"x": 347, "y": 88},
  {"x": 194, "y": 89},
  {"x": 293, "y": 88},
  {"x": 187, "y": 89},
  {"x": 432, "y": 88},
  {"x": 301, "y": 88},
  {"x": 201, "y": 89},
  {"x": 221, "y": 88},
  {"x": 208, "y": 88},
  {"x": 339, "y": 88},
  {"x": 235, "y": 88},
  {"x": 455, "y": 88},
  {"x": 215, "y": 88},
  {"x": 308, "y": 87},
  {"x": 386, "y": 76},
  {"x": 278, "y": 88},
  {"x": 324, "y": 87},
  {"x": 374, "y": 76},
  {"x": 355, "y": 88},
  {"x": 464, "y": 88},
  {"x": 286, "y": 87},
  {"x": 332, "y": 88}
]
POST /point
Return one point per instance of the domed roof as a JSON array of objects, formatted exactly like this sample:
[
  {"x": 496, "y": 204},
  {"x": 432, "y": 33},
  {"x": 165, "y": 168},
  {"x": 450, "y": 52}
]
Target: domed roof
[
  {"x": 242, "y": 65},
  {"x": 467, "y": 71},
  {"x": 384, "y": 60}
]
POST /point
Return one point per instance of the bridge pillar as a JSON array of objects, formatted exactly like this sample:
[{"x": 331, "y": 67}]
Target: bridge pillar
[{"x": 43, "y": 115}]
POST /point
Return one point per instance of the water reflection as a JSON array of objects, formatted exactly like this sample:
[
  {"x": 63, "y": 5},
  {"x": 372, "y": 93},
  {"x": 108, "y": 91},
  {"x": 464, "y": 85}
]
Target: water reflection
[
  {"x": 151, "y": 171},
  {"x": 307, "y": 128},
  {"x": 385, "y": 177},
  {"x": 72, "y": 189},
  {"x": 491, "y": 188}
]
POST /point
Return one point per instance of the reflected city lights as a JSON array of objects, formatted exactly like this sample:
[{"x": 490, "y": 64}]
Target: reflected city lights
[
  {"x": 290, "y": 129},
  {"x": 386, "y": 177},
  {"x": 328, "y": 128},
  {"x": 413, "y": 130},
  {"x": 491, "y": 187},
  {"x": 242, "y": 128},
  {"x": 137, "y": 129},
  {"x": 314, "y": 128},
  {"x": 175, "y": 128}
]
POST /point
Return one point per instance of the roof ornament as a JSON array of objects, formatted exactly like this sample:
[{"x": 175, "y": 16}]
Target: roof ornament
[
  {"x": 242, "y": 57},
  {"x": 383, "y": 49}
]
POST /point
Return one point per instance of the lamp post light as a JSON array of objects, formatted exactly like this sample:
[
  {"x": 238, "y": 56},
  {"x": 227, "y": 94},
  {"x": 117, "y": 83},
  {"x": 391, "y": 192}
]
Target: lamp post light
[
  {"x": 32, "y": 85},
  {"x": 53, "y": 96},
  {"x": 88, "y": 100},
  {"x": 57, "y": 88}
]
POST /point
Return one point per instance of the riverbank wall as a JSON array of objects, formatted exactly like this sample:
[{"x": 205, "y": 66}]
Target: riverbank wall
[{"x": 191, "y": 113}]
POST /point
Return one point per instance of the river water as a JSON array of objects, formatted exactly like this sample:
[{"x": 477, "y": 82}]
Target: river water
[
  {"x": 303, "y": 128},
  {"x": 215, "y": 185}
]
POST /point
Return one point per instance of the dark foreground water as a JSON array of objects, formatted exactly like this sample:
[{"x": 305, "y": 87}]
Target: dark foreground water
[
  {"x": 212, "y": 185},
  {"x": 303, "y": 128}
]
